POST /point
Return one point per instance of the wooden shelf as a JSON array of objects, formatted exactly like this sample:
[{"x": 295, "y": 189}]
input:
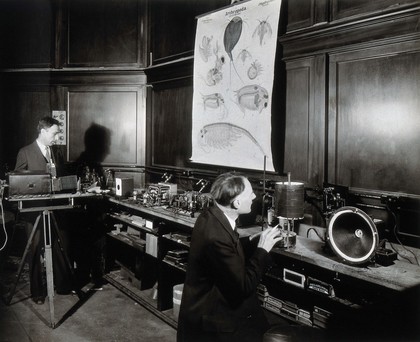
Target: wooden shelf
[
  {"x": 174, "y": 265},
  {"x": 173, "y": 237},
  {"x": 143, "y": 297},
  {"x": 130, "y": 240},
  {"x": 354, "y": 287}
]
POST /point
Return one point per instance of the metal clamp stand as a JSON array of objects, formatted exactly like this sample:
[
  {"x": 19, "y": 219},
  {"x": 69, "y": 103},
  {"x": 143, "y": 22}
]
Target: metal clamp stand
[{"x": 47, "y": 215}]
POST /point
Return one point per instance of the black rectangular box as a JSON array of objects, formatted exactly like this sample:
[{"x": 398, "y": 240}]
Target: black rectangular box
[{"x": 29, "y": 183}]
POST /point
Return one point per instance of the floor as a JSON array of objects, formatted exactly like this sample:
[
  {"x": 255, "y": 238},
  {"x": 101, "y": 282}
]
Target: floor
[
  {"x": 98, "y": 316},
  {"x": 107, "y": 315}
]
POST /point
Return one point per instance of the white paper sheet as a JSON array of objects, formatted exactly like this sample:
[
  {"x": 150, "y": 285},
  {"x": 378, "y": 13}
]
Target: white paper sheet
[{"x": 234, "y": 57}]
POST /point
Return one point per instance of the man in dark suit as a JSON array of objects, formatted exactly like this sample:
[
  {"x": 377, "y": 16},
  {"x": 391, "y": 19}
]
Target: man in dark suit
[
  {"x": 34, "y": 157},
  {"x": 219, "y": 301}
]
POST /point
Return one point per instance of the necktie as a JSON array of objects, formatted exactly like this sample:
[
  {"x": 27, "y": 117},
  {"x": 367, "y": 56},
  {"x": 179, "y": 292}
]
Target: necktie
[
  {"x": 235, "y": 232},
  {"x": 48, "y": 154}
]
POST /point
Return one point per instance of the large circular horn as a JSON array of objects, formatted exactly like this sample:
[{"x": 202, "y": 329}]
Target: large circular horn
[{"x": 352, "y": 235}]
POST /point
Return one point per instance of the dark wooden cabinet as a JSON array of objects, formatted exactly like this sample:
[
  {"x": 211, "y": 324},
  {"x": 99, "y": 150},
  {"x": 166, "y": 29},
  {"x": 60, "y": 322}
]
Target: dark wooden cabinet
[
  {"x": 111, "y": 102},
  {"x": 19, "y": 128},
  {"x": 303, "y": 14},
  {"x": 350, "y": 97},
  {"x": 137, "y": 255},
  {"x": 27, "y": 33},
  {"x": 372, "y": 117},
  {"x": 311, "y": 15},
  {"x": 311, "y": 286},
  {"x": 344, "y": 100},
  {"x": 306, "y": 283},
  {"x": 118, "y": 110},
  {"x": 352, "y": 105},
  {"x": 347, "y": 8},
  {"x": 171, "y": 125},
  {"x": 104, "y": 33},
  {"x": 305, "y": 119},
  {"x": 173, "y": 24},
  {"x": 171, "y": 272},
  {"x": 57, "y": 34}
]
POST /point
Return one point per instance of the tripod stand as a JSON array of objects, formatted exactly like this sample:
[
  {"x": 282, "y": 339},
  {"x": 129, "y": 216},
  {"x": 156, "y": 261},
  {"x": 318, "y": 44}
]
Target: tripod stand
[{"x": 49, "y": 223}]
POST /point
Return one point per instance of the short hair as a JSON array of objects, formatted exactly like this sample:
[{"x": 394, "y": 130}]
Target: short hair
[
  {"x": 47, "y": 122},
  {"x": 226, "y": 187}
]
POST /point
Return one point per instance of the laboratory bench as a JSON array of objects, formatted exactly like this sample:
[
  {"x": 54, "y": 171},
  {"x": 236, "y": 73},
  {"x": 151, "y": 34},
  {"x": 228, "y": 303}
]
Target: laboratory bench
[{"x": 307, "y": 284}]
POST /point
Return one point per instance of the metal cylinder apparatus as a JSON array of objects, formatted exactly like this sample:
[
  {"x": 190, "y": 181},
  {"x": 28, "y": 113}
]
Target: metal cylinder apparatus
[{"x": 289, "y": 200}]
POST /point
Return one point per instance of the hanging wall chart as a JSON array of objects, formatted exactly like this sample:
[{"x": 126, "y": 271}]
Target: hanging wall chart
[{"x": 234, "y": 57}]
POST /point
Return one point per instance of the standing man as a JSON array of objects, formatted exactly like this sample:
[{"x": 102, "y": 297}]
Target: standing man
[
  {"x": 219, "y": 301},
  {"x": 34, "y": 157}
]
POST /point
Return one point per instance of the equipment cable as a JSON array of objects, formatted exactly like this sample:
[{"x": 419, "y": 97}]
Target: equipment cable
[
  {"x": 2, "y": 218},
  {"x": 316, "y": 232},
  {"x": 398, "y": 240}
]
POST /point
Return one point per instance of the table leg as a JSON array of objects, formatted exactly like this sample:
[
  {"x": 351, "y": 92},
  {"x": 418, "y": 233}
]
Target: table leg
[{"x": 49, "y": 264}]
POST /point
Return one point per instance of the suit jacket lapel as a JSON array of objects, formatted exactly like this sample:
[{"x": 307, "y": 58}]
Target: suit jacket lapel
[
  {"x": 220, "y": 216},
  {"x": 38, "y": 160},
  {"x": 37, "y": 152}
]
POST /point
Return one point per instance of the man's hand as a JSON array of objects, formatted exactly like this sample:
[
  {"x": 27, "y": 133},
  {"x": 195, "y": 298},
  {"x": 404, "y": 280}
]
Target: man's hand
[{"x": 269, "y": 238}]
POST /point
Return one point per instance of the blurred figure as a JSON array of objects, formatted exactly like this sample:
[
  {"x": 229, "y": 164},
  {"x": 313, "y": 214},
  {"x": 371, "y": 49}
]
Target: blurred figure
[
  {"x": 89, "y": 233},
  {"x": 97, "y": 147},
  {"x": 219, "y": 301}
]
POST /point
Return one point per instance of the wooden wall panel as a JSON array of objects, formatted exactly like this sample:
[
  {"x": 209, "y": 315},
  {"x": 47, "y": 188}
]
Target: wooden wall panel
[
  {"x": 171, "y": 121},
  {"x": 26, "y": 33},
  {"x": 25, "y": 106},
  {"x": 300, "y": 14},
  {"x": 121, "y": 110},
  {"x": 173, "y": 24},
  {"x": 374, "y": 118},
  {"x": 347, "y": 8},
  {"x": 105, "y": 33},
  {"x": 305, "y": 120},
  {"x": 297, "y": 122}
]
